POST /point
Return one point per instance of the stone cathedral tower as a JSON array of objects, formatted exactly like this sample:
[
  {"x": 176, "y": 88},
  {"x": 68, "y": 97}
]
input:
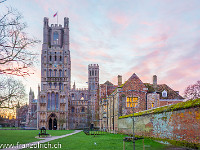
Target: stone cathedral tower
[
  {"x": 93, "y": 86},
  {"x": 55, "y": 77}
]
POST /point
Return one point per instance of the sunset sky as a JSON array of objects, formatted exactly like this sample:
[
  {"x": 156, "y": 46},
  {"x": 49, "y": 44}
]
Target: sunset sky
[{"x": 145, "y": 37}]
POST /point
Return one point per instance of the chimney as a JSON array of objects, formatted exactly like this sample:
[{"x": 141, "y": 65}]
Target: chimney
[
  {"x": 155, "y": 82},
  {"x": 119, "y": 80}
]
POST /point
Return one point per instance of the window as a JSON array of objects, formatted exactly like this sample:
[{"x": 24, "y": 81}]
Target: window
[
  {"x": 52, "y": 101},
  {"x": 48, "y": 104},
  {"x": 152, "y": 105},
  {"x": 72, "y": 96},
  {"x": 60, "y": 58},
  {"x": 131, "y": 101},
  {"x": 50, "y": 71},
  {"x": 56, "y": 101},
  {"x": 82, "y": 109},
  {"x": 60, "y": 86},
  {"x": 55, "y": 72},
  {"x": 55, "y": 57},
  {"x": 55, "y": 84},
  {"x": 55, "y": 37},
  {"x": 72, "y": 109},
  {"x": 164, "y": 93},
  {"x": 49, "y": 85},
  {"x": 50, "y": 57},
  {"x": 60, "y": 73}
]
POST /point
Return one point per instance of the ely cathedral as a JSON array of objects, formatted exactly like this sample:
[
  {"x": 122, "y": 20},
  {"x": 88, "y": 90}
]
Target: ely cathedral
[{"x": 60, "y": 106}]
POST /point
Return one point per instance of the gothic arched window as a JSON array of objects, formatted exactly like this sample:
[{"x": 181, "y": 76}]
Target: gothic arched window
[
  {"x": 55, "y": 84},
  {"x": 52, "y": 101},
  {"x": 55, "y": 72},
  {"x": 56, "y": 101},
  {"x": 72, "y": 109},
  {"x": 82, "y": 109},
  {"x": 60, "y": 73},
  {"x": 48, "y": 104},
  {"x": 50, "y": 57},
  {"x": 55, "y": 37},
  {"x": 55, "y": 58},
  {"x": 50, "y": 72},
  {"x": 60, "y": 86}
]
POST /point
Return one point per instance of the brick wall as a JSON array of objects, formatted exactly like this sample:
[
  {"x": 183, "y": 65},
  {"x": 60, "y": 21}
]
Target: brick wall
[{"x": 180, "y": 125}]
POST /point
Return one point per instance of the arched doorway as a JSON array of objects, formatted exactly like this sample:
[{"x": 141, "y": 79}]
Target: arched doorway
[
  {"x": 55, "y": 124},
  {"x": 52, "y": 122}
]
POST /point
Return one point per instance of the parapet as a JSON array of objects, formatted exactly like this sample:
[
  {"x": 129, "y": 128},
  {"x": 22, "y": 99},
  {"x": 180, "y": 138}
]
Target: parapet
[{"x": 93, "y": 65}]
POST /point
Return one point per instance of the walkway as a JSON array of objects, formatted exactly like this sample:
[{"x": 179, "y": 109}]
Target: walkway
[{"x": 22, "y": 146}]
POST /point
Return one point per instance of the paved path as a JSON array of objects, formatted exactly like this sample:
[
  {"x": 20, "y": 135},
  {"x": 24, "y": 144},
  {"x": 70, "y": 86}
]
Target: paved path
[{"x": 22, "y": 146}]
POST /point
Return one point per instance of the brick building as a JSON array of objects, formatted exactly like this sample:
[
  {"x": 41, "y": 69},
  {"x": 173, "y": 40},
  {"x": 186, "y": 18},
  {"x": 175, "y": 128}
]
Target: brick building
[
  {"x": 161, "y": 95},
  {"x": 134, "y": 93}
]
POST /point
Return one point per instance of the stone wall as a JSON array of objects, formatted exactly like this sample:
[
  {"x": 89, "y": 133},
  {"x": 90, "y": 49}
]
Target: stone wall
[{"x": 180, "y": 125}]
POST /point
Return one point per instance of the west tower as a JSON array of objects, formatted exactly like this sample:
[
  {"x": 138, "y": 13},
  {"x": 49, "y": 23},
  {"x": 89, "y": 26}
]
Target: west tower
[{"x": 55, "y": 76}]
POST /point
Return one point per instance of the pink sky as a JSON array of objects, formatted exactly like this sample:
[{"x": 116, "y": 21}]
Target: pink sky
[{"x": 123, "y": 37}]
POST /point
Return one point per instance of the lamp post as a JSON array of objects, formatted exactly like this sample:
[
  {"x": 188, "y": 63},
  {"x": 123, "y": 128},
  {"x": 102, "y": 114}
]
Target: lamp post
[{"x": 113, "y": 115}]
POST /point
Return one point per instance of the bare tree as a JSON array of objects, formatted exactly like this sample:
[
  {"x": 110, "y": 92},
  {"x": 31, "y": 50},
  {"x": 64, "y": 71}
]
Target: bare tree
[
  {"x": 192, "y": 91},
  {"x": 15, "y": 54},
  {"x": 12, "y": 91}
]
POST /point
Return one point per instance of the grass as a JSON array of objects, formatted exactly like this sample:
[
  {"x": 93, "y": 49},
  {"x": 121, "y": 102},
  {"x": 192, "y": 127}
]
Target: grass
[
  {"x": 26, "y": 136},
  {"x": 80, "y": 141}
]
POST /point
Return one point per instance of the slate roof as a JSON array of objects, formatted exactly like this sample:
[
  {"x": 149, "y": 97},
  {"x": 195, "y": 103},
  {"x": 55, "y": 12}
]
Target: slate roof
[
  {"x": 171, "y": 94},
  {"x": 108, "y": 83}
]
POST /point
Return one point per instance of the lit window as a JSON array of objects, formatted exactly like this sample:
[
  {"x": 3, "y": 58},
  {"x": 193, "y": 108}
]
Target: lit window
[
  {"x": 131, "y": 101},
  {"x": 152, "y": 105}
]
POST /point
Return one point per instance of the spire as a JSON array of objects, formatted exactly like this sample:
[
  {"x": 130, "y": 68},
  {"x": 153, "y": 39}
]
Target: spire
[
  {"x": 18, "y": 106},
  {"x": 74, "y": 86},
  {"x": 30, "y": 91}
]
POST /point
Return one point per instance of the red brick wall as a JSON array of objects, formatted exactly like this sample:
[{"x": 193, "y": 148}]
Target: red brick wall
[{"x": 181, "y": 125}]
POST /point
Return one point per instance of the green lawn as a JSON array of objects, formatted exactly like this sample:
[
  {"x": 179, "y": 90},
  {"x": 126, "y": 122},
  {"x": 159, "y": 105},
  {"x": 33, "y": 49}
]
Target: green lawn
[
  {"x": 80, "y": 141},
  {"x": 26, "y": 136}
]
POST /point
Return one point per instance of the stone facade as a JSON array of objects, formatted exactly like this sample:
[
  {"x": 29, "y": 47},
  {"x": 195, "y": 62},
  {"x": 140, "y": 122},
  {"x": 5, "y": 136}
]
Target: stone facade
[
  {"x": 31, "y": 118},
  {"x": 21, "y": 114},
  {"x": 59, "y": 106}
]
